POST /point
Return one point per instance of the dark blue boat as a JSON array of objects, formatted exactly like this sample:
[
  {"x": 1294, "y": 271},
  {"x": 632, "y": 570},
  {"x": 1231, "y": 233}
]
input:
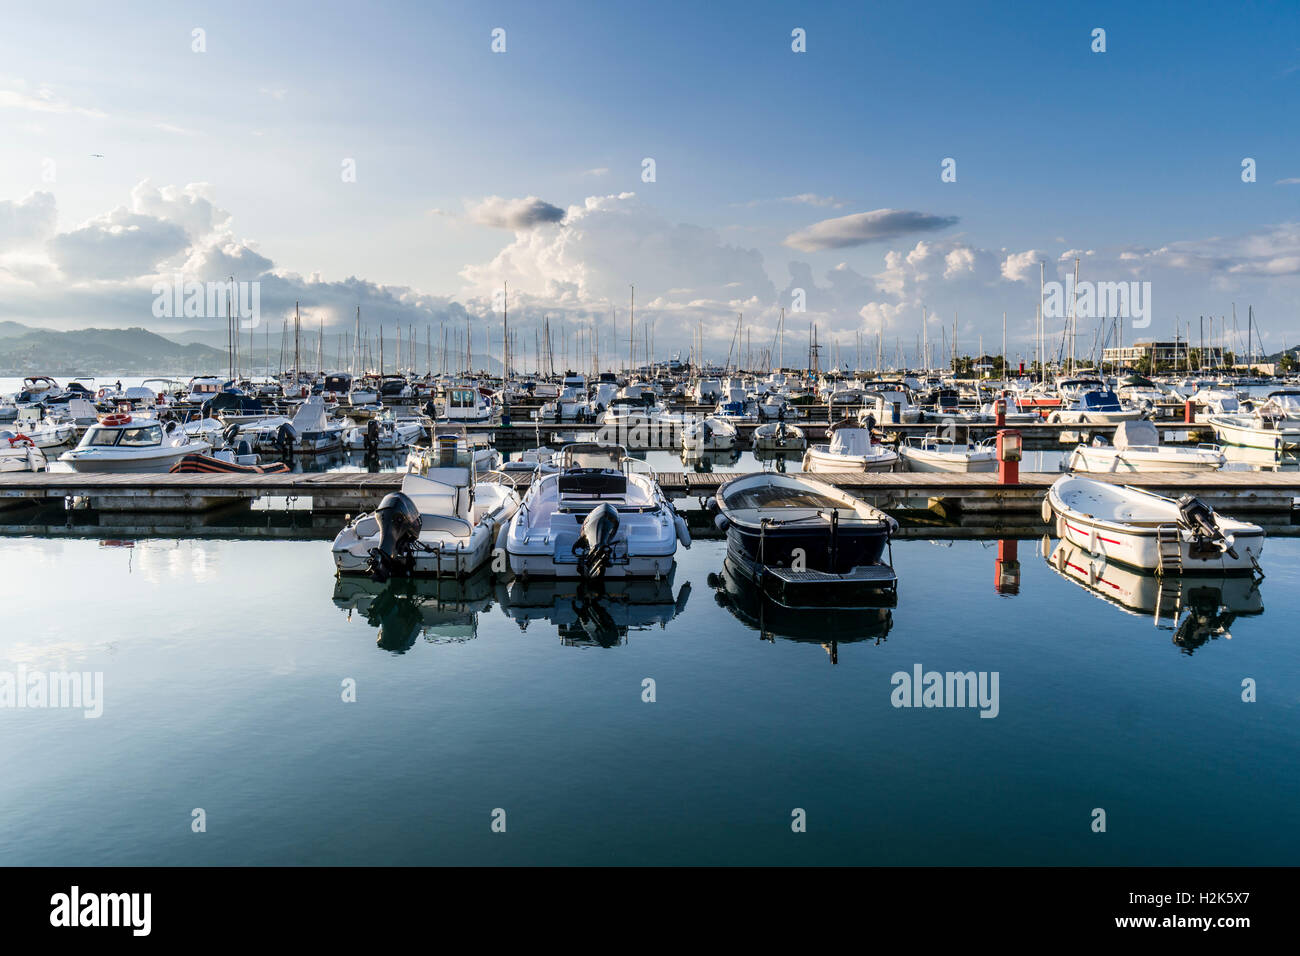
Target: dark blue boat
[{"x": 806, "y": 543}]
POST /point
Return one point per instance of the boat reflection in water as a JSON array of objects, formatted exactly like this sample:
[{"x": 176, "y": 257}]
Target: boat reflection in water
[
  {"x": 593, "y": 616},
  {"x": 1196, "y": 608},
  {"x": 756, "y": 610},
  {"x": 440, "y": 610},
  {"x": 778, "y": 461},
  {"x": 704, "y": 462}
]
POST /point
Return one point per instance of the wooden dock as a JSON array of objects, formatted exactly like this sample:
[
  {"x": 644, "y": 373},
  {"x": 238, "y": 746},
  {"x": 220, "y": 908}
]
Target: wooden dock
[{"x": 1232, "y": 491}]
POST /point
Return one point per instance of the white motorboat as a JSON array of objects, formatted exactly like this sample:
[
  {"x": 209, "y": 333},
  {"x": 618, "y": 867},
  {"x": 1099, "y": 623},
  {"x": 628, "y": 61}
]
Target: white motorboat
[
  {"x": 708, "y": 434},
  {"x": 1137, "y": 448},
  {"x": 851, "y": 448},
  {"x": 1099, "y": 406},
  {"x": 598, "y": 517},
  {"x": 628, "y": 413},
  {"x": 443, "y": 522},
  {"x": 20, "y": 453},
  {"x": 940, "y": 453},
  {"x": 466, "y": 406},
  {"x": 121, "y": 443},
  {"x": 1146, "y": 530},
  {"x": 310, "y": 431},
  {"x": 382, "y": 434},
  {"x": 44, "y": 432},
  {"x": 1267, "y": 430},
  {"x": 540, "y": 460},
  {"x": 889, "y": 406},
  {"x": 779, "y": 436},
  {"x": 420, "y": 458}
]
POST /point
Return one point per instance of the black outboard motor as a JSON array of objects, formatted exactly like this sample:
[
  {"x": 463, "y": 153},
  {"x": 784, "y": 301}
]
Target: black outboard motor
[
  {"x": 595, "y": 544},
  {"x": 399, "y": 530},
  {"x": 1199, "y": 518},
  {"x": 230, "y": 433},
  {"x": 372, "y": 438},
  {"x": 285, "y": 436}
]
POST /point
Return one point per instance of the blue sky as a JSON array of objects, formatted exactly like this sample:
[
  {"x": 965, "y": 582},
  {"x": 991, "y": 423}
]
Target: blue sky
[{"x": 228, "y": 161}]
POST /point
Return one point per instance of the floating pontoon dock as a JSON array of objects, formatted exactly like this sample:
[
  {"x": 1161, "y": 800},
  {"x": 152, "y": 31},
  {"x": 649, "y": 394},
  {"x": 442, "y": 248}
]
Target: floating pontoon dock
[{"x": 1232, "y": 491}]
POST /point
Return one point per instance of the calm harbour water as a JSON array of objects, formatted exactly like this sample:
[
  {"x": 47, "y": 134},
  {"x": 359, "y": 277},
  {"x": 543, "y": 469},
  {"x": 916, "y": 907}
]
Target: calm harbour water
[{"x": 223, "y": 662}]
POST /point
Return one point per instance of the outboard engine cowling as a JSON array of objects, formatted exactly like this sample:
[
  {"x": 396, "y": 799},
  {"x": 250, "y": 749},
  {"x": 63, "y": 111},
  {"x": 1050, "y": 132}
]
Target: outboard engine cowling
[
  {"x": 399, "y": 529},
  {"x": 285, "y": 436},
  {"x": 1199, "y": 518},
  {"x": 230, "y": 433},
  {"x": 595, "y": 544}
]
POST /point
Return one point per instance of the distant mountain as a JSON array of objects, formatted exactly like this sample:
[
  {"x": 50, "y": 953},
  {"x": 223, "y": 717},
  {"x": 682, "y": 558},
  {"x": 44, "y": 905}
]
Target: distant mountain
[{"x": 27, "y": 351}]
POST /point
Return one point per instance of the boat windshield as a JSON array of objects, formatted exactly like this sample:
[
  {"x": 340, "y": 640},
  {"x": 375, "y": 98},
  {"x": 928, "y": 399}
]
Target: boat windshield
[
  {"x": 142, "y": 435},
  {"x": 594, "y": 456},
  {"x": 101, "y": 437}
]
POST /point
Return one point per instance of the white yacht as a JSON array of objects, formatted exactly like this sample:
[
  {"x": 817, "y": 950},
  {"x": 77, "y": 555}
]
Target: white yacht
[
  {"x": 598, "y": 517},
  {"x": 120, "y": 443}
]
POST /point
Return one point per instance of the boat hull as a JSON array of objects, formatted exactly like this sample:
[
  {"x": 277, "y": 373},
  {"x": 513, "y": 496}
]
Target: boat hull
[{"x": 817, "y": 460}]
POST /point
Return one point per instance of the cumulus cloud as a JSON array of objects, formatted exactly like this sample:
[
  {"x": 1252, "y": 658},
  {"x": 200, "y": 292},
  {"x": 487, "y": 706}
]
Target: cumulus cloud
[
  {"x": 516, "y": 214},
  {"x": 879, "y": 225},
  {"x": 1018, "y": 266},
  {"x": 120, "y": 245},
  {"x": 26, "y": 222}
]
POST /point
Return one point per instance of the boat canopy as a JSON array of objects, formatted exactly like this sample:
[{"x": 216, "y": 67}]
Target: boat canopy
[
  {"x": 1100, "y": 400},
  {"x": 1136, "y": 433},
  {"x": 850, "y": 441}
]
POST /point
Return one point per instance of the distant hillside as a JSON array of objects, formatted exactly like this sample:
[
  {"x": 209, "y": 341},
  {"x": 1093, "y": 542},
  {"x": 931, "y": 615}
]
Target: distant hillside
[{"x": 26, "y": 351}]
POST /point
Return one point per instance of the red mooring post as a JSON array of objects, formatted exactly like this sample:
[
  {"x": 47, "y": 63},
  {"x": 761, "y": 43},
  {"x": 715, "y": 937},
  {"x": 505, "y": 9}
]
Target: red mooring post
[
  {"x": 1189, "y": 411},
  {"x": 1009, "y": 451}
]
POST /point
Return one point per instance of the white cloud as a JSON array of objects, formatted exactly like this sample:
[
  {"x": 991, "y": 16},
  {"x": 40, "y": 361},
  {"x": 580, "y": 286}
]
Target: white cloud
[
  {"x": 26, "y": 222},
  {"x": 44, "y": 100},
  {"x": 1018, "y": 266}
]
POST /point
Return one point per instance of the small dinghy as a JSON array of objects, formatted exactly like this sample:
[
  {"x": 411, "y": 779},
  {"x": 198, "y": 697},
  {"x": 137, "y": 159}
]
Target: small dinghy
[
  {"x": 805, "y": 543},
  {"x": 939, "y": 453},
  {"x": 1148, "y": 531},
  {"x": 217, "y": 465},
  {"x": 443, "y": 522},
  {"x": 1137, "y": 448},
  {"x": 19, "y": 453},
  {"x": 850, "y": 449},
  {"x": 709, "y": 434},
  {"x": 779, "y": 436}
]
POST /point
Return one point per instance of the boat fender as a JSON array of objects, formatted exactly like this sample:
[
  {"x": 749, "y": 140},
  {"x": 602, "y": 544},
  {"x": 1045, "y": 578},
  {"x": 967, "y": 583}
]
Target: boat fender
[
  {"x": 1047, "y": 511},
  {"x": 721, "y": 522},
  {"x": 683, "y": 532},
  {"x": 1045, "y": 547}
]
